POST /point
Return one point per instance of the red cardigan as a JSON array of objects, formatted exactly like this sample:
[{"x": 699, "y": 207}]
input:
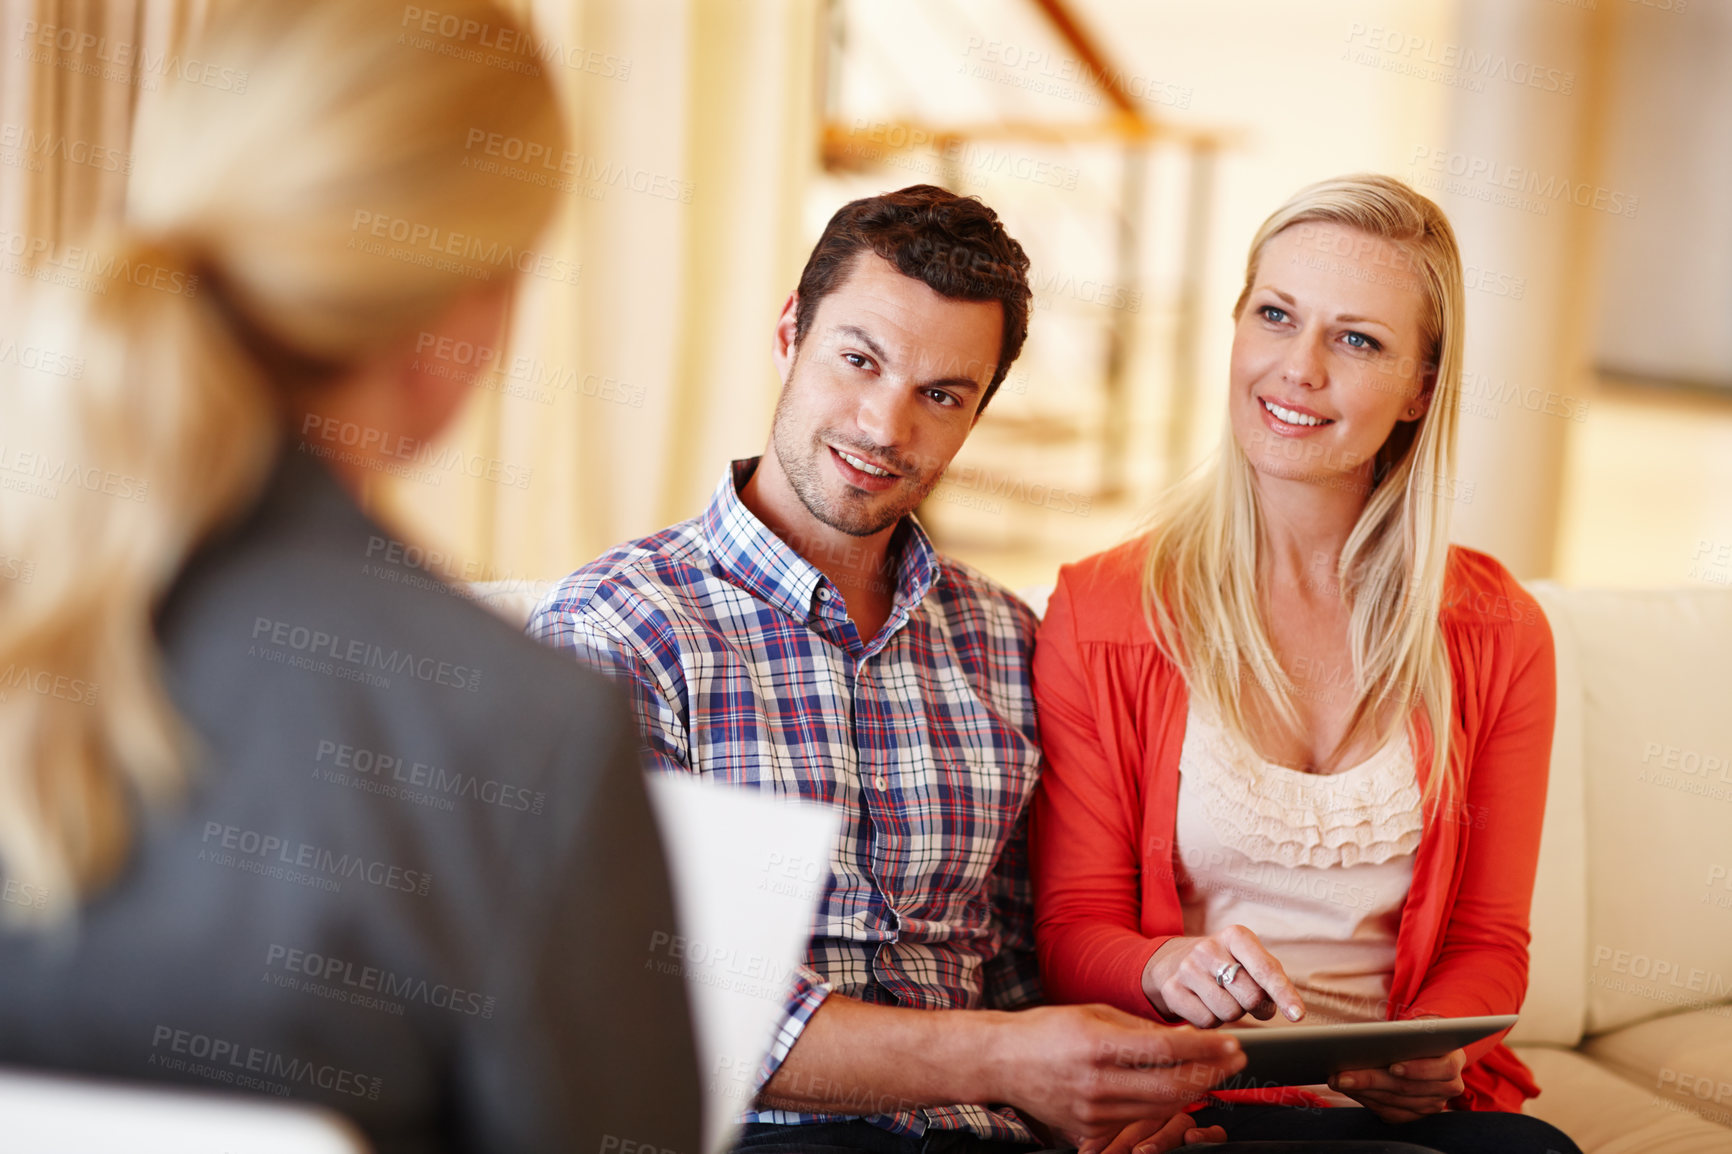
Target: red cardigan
[{"x": 1112, "y": 720}]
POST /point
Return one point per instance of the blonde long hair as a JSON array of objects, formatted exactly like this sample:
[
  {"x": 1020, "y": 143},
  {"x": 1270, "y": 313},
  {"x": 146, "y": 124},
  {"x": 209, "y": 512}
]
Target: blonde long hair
[
  {"x": 250, "y": 261},
  {"x": 1206, "y": 546}
]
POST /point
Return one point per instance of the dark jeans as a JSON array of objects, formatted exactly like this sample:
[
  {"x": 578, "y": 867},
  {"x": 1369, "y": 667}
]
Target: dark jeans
[
  {"x": 1448, "y": 1133},
  {"x": 849, "y": 1137},
  {"x": 1250, "y": 1130}
]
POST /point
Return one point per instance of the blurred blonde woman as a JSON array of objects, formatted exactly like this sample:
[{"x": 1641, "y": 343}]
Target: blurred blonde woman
[
  {"x": 1297, "y": 742},
  {"x": 279, "y": 811}
]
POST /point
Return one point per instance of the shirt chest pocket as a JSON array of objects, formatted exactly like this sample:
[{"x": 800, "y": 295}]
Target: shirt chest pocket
[
  {"x": 749, "y": 727},
  {"x": 982, "y": 756}
]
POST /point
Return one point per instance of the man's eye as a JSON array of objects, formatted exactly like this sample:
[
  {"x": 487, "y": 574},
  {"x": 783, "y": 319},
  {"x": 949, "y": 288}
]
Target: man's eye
[
  {"x": 856, "y": 360},
  {"x": 943, "y": 397}
]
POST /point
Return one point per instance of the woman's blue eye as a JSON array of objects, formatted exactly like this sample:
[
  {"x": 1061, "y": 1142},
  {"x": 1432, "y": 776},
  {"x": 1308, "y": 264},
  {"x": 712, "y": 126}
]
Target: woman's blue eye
[
  {"x": 1271, "y": 313},
  {"x": 1361, "y": 341}
]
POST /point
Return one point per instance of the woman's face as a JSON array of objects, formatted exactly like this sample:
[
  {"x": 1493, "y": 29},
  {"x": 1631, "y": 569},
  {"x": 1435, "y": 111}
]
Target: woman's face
[{"x": 1326, "y": 354}]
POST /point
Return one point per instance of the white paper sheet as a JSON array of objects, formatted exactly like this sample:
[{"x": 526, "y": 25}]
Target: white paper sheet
[
  {"x": 53, "y": 1114},
  {"x": 748, "y": 869}
]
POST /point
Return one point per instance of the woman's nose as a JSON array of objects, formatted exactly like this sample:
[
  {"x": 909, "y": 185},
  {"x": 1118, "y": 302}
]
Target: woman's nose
[{"x": 1304, "y": 364}]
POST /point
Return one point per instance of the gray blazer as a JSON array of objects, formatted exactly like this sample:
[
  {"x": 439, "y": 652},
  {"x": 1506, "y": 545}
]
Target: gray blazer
[{"x": 417, "y": 879}]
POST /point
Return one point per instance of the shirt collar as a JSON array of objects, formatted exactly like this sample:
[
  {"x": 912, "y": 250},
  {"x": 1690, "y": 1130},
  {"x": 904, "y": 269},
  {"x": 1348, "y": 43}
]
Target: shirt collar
[{"x": 753, "y": 557}]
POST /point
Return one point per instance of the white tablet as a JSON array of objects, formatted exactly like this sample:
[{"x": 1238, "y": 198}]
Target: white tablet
[{"x": 1307, "y": 1055}]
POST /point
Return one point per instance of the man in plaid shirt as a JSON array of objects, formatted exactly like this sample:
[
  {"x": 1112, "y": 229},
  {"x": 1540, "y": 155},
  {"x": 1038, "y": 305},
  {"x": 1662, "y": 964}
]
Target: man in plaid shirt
[{"x": 802, "y": 635}]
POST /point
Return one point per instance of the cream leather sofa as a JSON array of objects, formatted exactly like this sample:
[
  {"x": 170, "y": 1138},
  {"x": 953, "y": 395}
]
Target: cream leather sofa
[{"x": 1628, "y": 1019}]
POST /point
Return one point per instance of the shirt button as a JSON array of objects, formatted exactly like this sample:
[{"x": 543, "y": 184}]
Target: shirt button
[
  {"x": 823, "y": 593},
  {"x": 878, "y": 782}
]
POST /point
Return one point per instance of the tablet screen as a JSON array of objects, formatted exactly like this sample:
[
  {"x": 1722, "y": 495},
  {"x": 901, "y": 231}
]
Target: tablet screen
[{"x": 1306, "y": 1055}]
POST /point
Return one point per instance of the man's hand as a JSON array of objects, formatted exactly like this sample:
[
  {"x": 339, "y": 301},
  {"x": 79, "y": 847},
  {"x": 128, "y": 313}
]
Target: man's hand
[
  {"x": 1090, "y": 1070},
  {"x": 1151, "y": 1137},
  {"x": 1407, "y": 1090},
  {"x": 1179, "y": 980}
]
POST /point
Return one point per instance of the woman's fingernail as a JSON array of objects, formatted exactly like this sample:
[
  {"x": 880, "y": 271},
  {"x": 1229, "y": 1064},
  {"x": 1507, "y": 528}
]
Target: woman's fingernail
[
  {"x": 1293, "y": 1013},
  {"x": 1398, "y": 1070},
  {"x": 1346, "y": 1081}
]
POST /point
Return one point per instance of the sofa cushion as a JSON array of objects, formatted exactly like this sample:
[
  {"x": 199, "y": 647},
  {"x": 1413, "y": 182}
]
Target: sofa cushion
[
  {"x": 1657, "y": 758},
  {"x": 1607, "y": 1115},
  {"x": 1683, "y": 1057},
  {"x": 513, "y": 600},
  {"x": 1556, "y": 1003}
]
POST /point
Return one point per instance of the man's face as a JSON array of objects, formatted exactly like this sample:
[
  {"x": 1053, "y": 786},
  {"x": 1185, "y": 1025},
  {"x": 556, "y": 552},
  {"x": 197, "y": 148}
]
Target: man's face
[{"x": 880, "y": 394}]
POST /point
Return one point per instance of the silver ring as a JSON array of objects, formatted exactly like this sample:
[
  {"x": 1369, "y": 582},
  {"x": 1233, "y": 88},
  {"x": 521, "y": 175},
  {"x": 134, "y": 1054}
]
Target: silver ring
[{"x": 1225, "y": 975}]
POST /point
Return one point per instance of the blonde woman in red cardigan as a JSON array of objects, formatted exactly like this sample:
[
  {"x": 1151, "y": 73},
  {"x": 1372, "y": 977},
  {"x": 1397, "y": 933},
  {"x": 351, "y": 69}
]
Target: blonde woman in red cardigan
[{"x": 1297, "y": 743}]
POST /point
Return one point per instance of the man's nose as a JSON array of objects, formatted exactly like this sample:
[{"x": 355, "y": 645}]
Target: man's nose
[{"x": 886, "y": 415}]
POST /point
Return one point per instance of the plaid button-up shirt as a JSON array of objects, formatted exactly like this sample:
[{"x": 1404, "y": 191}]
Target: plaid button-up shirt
[{"x": 744, "y": 667}]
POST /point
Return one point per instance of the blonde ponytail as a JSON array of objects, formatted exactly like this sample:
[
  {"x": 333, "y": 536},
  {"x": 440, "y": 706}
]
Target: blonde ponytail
[
  {"x": 233, "y": 277},
  {"x": 165, "y": 433}
]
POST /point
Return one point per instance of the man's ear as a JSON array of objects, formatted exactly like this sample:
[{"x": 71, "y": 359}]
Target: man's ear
[{"x": 783, "y": 349}]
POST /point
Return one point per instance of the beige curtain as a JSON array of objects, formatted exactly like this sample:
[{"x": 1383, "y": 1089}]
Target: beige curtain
[
  {"x": 694, "y": 122},
  {"x": 619, "y": 398},
  {"x": 71, "y": 74}
]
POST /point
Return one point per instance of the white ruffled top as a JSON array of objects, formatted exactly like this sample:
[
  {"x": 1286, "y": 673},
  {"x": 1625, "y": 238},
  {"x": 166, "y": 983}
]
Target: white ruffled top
[
  {"x": 1318, "y": 866},
  {"x": 1368, "y": 814}
]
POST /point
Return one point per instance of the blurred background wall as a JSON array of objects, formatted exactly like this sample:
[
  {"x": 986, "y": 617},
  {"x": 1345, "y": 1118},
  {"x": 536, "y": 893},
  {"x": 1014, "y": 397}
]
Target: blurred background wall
[{"x": 1583, "y": 149}]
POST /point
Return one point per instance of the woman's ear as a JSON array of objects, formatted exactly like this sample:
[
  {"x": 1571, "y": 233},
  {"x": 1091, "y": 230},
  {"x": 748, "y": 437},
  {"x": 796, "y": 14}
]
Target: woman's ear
[
  {"x": 1420, "y": 405},
  {"x": 433, "y": 375}
]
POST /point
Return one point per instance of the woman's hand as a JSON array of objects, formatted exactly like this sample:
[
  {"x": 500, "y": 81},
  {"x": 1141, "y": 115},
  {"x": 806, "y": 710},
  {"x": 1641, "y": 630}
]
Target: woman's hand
[
  {"x": 1407, "y": 1090},
  {"x": 1152, "y": 1137},
  {"x": 1180, "y": 980}
]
